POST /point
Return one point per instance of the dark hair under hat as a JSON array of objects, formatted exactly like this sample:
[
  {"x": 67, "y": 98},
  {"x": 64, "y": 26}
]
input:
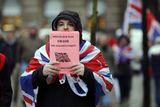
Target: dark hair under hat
[{"x": 70, "y": 15}]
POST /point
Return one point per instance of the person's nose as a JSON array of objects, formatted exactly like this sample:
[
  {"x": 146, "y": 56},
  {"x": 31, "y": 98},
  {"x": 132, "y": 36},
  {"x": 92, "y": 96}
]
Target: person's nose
[{"x": 65, "y": 27}]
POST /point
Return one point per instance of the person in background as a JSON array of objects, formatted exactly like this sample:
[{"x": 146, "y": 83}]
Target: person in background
[
  {"x": 5, "y": 82},
  {"x": 123, "y": 55},
  {"x": 30, "y": 42},
  {"x": 89, "y": 80},
  {"x": 5, "y": 49},
  {"x": 154, "y": 55},
  {"x": 13, "y": 42},
  {"x": 15, "y": 46}
]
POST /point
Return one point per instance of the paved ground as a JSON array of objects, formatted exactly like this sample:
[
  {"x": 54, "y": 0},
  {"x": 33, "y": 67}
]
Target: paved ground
[{"x": 137, "y": 92}]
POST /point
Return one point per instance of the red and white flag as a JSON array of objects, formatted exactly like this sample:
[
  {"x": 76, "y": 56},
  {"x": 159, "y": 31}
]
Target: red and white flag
[{"x": 133, "y": 15}]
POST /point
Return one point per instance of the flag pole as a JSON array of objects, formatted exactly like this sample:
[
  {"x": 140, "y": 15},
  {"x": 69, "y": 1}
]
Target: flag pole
[
  {"x": 94, "y": 22},
  {"x": 145, "y": 60}
]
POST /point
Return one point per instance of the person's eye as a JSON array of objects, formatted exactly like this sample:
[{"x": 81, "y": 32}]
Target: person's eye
[
  {"x": 71, "y": 24},
  {"x": 60, "y": 24}
]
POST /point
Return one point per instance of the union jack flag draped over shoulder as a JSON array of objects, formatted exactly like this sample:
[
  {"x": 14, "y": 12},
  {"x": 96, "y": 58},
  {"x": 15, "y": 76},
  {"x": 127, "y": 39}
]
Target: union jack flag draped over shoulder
[{"x": 90, "y": 56}]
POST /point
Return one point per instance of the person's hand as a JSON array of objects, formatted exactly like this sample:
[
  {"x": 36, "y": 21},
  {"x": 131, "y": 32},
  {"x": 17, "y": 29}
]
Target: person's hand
[
  {"x": 51, "y": 69},
  {"x": 78, "y": 69}
]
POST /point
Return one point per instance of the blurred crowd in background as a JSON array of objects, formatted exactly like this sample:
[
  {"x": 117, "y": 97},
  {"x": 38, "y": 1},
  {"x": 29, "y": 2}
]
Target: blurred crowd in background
[{"x": 123, "y": 55}]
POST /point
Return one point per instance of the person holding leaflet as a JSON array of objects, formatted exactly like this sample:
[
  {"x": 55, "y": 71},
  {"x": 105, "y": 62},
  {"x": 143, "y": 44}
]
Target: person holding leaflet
[{"x": 43, "y": 86}]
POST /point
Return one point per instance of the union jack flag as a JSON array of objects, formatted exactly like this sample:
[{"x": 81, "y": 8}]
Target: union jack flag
[
  {"x": 133, "y": 15},
  {"x": 153, "y": 27},
  {"x": 90, "y": 56}
]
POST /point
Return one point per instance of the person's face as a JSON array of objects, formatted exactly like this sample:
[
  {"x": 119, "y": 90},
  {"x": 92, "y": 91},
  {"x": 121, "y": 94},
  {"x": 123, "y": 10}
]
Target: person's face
[
  {"x": 10, "y": 35},
  {"x": 123, "y": 42},
  {"x": 65, "y": 25}
]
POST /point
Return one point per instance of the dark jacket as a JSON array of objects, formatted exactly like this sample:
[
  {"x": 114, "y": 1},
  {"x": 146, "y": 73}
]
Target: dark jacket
[
  {"x": 16, "y": 50},
  {"x": 155, "y": 63},
  {"x": 58, "y": 95},
  {"x": 6, "y": 50},
  {"x": 5, "y": 82}
]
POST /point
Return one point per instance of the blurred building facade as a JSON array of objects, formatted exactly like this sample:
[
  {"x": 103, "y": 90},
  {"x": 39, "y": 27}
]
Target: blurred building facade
[{"x": 21, "y": 13}]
